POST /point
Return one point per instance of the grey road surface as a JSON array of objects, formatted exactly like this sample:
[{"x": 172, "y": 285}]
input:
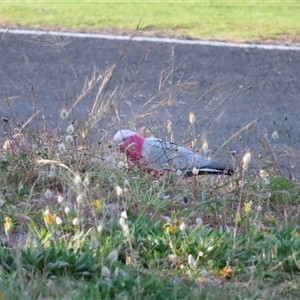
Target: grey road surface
[{"x": 248, "y": 85}]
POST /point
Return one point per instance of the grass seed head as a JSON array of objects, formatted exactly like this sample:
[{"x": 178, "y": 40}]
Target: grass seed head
[
  {"x": 246, "y": 160},
  {"x": 67, "y": 209},
  {"x": 94, "y": 242},
  {"x": 119, "y": 190},
  {"x": 64, "y": 114},
  {"x": 69, "y": 139},
  {"x": 195, "y": 171},
  {"x": 60, "y": 199},
  {"x": 70, "y": 129},
  {"x": 62, "y": 148},
  {"x": 58, "y": 220},
  {"x": 48, "y": 194},
  {"x": 205, "y": 146},
  {"x": 105, "y": 272},
  {"x": 191, "y": 261},
  {"x": 113, "y": 255},
  {"x": 192, "y": 117},
  {"x": 52, "y": 172},
  {"x": 75, "y": 221},
  {"x": 86, "y": 181},
  {"x": 275, "y": 135}
]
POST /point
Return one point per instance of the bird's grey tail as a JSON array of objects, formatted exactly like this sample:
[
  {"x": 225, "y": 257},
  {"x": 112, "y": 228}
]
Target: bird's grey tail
[{"x": 214, "y": 168}]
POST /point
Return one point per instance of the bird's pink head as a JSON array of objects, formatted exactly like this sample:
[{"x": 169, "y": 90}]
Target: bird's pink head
[{"x": 130, "y": 143}]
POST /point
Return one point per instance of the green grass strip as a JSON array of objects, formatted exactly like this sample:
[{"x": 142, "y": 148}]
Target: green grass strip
[{"x": 218, "y": 20}]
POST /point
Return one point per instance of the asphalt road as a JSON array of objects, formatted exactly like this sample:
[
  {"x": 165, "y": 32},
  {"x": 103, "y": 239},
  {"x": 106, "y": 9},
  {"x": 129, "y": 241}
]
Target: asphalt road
[{"x": 256, "y": 84}]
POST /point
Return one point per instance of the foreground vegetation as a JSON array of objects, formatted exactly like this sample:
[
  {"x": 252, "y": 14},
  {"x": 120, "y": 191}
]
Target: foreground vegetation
[
  {"x": 241, "y": 21},
  {"x": 80, "y": 222}
]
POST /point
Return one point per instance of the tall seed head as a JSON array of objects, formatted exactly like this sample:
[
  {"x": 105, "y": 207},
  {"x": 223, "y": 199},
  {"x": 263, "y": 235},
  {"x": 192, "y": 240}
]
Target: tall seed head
[
  {"x": 246, "y": 160},
  {"x": 275, "y": 135},
  {"x": 64, "y": 114},
  {"x": 192, "y": 117}
]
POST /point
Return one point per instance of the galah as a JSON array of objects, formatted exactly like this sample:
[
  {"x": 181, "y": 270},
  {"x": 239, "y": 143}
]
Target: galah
[{"x": 160, "y": 155}]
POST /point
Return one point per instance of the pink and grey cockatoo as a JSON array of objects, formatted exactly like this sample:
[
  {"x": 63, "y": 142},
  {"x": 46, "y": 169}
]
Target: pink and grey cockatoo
[{"x": 159, "y": 155}]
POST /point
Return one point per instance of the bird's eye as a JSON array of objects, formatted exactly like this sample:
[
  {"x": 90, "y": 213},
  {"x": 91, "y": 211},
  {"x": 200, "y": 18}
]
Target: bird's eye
[{"x": 124, "y": 139}]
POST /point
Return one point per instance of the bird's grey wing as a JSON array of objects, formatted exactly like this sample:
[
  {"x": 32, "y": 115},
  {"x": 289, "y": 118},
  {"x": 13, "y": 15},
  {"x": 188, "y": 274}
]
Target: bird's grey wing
[
  {"x": 164, "y": 155},
  {"x": 159, "y": 154},
  {"x": 186, "y": 159}
]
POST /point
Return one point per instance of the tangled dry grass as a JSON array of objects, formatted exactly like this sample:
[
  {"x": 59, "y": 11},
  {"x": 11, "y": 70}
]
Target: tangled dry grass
[{"x": 81, "y": 222}]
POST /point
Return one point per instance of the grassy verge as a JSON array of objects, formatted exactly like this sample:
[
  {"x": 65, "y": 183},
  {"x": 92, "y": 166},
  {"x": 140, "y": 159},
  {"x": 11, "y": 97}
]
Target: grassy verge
[
  {"x": 227, "y": 20},
  {"x": 81, "y": 223}
]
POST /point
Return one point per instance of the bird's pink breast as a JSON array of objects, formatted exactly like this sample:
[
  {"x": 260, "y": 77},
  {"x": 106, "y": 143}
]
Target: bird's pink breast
[{"x": 132, "y": 147}]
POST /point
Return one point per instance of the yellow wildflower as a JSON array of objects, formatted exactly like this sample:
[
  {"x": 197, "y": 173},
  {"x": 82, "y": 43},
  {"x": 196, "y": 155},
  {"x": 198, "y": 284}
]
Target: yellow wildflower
[
  {"x": 8, "y": 225},
  {"x": 97, "y": 204},
  {"x": 170, "y": 229},
  {"x": 247, "y": 207},
  {"x": 295, "y": 234},
  {"x": 50, "y": 219},
  {"x": 226, "y": 272}
]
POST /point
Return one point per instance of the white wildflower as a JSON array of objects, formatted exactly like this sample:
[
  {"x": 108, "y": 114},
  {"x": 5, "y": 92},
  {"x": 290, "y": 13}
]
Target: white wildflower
[
  {"x": 210, "y": 248},
  {"x": 58, "y": 220},
  {"x": 67, "y": 209},
  {"x": 182, "y": 226},
  {"x": 48, "y": 194},
  {"x": 119, "y": 190},
  {"x": 79, "y": 198},
  {"x": 200, "y": 254},
  {"x": 70, "y": 129},
  {"x": 258, "y": 208},
  {"x": 75, "y": 221}
]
